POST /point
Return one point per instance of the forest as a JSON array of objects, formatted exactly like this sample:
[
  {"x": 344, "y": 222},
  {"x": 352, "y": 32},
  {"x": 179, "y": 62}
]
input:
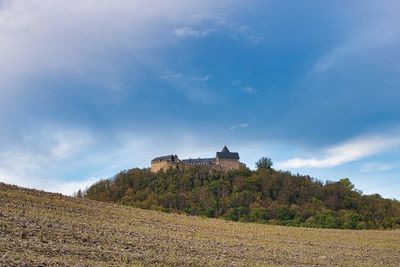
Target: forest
[{"x": 264, "y": 195}]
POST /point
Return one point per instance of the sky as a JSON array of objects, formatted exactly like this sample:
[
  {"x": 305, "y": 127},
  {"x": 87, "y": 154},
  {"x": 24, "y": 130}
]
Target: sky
[{"x": 89, "y": 88}]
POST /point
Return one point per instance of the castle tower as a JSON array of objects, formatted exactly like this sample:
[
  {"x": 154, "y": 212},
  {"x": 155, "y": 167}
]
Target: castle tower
[{"x": 227, "y": 160}]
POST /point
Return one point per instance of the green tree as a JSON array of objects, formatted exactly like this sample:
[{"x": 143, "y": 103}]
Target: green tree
[{"x": 264, "y": 163}]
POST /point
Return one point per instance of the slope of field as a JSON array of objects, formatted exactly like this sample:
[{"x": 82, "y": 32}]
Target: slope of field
[{"x": 38, "y": 228}]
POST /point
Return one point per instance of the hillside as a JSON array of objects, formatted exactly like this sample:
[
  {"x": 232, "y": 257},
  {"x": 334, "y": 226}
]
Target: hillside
[
  {"x": 264, "y": 196},
  {"x": 39, "y": 228}
]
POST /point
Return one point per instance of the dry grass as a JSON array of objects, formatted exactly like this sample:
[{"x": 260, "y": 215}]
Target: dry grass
[{"x": 38, "y": 228}]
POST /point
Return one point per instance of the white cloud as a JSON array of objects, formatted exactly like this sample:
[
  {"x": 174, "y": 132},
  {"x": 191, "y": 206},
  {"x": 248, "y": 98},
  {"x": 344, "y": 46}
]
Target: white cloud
[
  {"x": 70, "y": 187},
  {"x": 66, "y": 144},
  {"x": 171, "y": 76},
  {"x": 193, "y": 88},
  {"x": 379, "y": 166},
  {"x": 242, "y": 125},
  {"x": 241, "y": 32},
  {"x": 256, "y": 38},
  {"x": 40, "y": 158},
  {"x": 201, "y": 78},
  {"x": 349, "y": 151},
  {"x": 189, "y": 32},
  {"x": 329, "y": 60},
  {"x": 249, "y": 90}
]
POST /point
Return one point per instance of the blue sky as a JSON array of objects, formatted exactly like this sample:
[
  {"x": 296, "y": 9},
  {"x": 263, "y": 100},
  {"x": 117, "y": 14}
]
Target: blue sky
[{"x": 89, "y": 88}]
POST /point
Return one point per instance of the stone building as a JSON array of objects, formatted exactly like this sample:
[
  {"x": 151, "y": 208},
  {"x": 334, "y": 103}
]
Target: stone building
[
  {"x": 227, "y": 160},
  {"x": 224, "y": 160},
  {"x": 165, "y": 162}
]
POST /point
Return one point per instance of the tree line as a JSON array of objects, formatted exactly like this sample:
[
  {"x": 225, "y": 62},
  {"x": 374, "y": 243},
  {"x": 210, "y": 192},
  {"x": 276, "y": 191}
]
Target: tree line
[{"x": 264, "y": 195}]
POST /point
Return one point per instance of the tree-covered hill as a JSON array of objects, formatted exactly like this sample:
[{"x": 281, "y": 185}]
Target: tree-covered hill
[{"x": 264, "y": 195}]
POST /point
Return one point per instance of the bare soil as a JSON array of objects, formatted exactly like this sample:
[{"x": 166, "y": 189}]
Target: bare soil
[{"x": 45, "y": 229}]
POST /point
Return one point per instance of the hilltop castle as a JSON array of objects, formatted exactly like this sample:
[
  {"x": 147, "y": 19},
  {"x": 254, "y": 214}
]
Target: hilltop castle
[{"x": 224, "y": 160}]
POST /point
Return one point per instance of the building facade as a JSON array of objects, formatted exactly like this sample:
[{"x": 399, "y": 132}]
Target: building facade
[
  {"x": 165, "y": 162},
  {"x": 224, "y": 160}
]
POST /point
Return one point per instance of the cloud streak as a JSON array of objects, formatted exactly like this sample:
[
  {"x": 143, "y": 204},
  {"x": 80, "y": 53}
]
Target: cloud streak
[
  {"x": 349, "y": 151},
  {"x": 192, "y": 87},
  {"x": 238, "y": 126},
  {"x": 171, "y": 76},
  {"x": 378, "y": 36},
  {"x": 189, "y": 32},
  {"x": 201, "y": 78},
  {"x": 379, "y": 166},
  {"x": 249, "y": 90}
]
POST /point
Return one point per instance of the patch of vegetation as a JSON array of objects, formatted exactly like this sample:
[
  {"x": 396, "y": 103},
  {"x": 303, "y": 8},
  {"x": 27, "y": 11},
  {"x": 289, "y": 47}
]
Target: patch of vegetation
[{"x": 264, "y": 196}]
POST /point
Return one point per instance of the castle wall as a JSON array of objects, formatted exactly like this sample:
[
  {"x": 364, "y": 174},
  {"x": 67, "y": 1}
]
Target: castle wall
[
  {"x": 229, "y": 164},
  {"x": 163, "y": 165},
  {"x": 242, "y": 165},
  {"x": 221, "y": 164}
]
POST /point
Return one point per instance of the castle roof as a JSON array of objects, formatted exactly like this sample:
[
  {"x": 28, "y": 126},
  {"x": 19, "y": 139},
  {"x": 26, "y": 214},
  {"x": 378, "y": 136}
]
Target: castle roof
[
  {"x": 225, "y": 150},
  {"x": 169, "y": 158},
  {"x": 199, "y": 161},
  {"x": 226, "y": 154}
]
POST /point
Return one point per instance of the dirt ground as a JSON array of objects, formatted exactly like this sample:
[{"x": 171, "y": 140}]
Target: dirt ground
[{"x": 42, "y": 229}]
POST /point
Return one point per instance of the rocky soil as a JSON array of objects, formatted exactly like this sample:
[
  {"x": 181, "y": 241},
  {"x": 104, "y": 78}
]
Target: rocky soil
[{"x": 44, "y": 229}]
